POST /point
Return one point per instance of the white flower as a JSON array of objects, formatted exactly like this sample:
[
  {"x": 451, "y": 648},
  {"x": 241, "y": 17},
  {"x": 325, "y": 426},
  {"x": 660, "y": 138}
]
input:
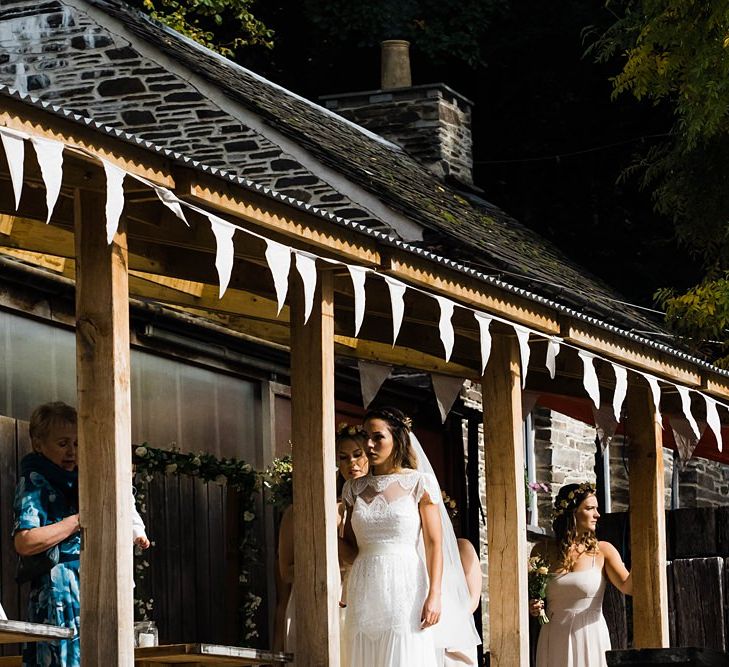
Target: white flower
[
  {"x": 196, "y": 461},
  {"x": 248, "y": 516},
  {"x": 141, "y": 452},
  {"x": 170, "y": 468},
  {"x": 221, "y": 479},
  {"x": 246, "y": 467}
]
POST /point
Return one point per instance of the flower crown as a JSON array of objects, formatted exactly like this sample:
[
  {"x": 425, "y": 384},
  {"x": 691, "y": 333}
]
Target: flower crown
[
  {"x": 405, "y": 422},
  {"x": 573, "y": 498},
  {"x": 350, "y": 429}
]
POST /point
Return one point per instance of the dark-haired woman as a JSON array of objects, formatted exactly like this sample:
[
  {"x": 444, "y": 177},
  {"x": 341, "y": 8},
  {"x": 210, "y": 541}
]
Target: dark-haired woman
[
  {"x": 577, "y": 635},
  {"x": 393, "y": 597}
]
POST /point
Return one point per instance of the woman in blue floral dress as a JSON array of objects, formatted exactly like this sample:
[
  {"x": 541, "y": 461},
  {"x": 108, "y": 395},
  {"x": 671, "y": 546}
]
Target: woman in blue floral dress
[{"x": 46, "y": 532}]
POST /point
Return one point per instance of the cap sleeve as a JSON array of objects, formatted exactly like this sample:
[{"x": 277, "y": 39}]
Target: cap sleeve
[{"x": 429, "y": 488}]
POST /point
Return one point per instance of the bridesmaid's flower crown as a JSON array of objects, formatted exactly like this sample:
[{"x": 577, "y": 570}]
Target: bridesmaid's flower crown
[
  {"x": 350, "y": 429},
  {"x": 573, "y": 499}
]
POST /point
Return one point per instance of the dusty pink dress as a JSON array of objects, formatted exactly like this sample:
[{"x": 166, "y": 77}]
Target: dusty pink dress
[{"x": 576, "y": 635}]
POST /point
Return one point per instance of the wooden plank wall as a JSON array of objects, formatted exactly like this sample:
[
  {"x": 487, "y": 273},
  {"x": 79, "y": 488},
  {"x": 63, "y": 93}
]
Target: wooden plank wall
[
  {"x": 193, "y": 573},
  {"x": 14, "y": 445}
]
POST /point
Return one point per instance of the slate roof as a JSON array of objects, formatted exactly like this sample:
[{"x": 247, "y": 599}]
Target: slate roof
[{"x": 458, "y": 225}]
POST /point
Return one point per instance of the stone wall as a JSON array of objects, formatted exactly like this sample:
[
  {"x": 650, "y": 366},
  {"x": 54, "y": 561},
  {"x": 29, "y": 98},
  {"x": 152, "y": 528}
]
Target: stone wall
[
  {"x": 432, "y": 123},
  {"x": 63, "y": 56}
]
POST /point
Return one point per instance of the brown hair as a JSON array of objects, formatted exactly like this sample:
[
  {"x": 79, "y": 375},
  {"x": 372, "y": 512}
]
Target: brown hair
[
  {"x": 356, "y": 434},
  {"x": 564, "y": 524},
  {"x": 45, "y": 416},
  {"x": 403, "y": 455}
]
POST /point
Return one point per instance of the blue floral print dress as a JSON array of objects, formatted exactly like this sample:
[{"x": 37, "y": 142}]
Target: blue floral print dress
[{"x": 54, "y": 596}]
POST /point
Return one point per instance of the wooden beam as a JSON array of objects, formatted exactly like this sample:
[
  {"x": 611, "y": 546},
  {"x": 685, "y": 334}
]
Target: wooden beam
[
  {"x": 505, "y": 505},
  {"x": 316, "y": 578},
  {"x": 647, "y": 521},
  {"x": 105, "y": 442}
]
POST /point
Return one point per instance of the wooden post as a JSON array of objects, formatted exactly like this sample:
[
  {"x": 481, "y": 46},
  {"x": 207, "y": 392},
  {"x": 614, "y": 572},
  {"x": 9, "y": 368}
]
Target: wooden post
[
  {"x": 505, "y": 505},
  {"x": 316, "y": 568},
  {"x": 647, "y": 521},
  {"x": 104, "y": 429}
]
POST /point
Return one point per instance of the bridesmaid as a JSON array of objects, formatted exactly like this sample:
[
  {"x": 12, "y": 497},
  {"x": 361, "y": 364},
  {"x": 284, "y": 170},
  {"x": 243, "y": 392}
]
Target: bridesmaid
[
  {"x": 577, "y": 635},
  {"x": 351, "y": 463}
]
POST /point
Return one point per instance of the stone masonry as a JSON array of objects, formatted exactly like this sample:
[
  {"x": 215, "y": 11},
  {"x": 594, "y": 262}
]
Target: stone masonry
[
  {"x": 59, "y": 54},
  {"x": 432, "y": 123}
]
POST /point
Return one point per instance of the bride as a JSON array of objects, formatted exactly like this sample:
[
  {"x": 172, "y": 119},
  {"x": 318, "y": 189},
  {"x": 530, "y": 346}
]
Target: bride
[{"x": 407, "y": 572}]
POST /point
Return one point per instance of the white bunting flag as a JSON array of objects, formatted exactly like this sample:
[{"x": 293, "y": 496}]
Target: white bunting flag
[
  {"x": 685, "y": 437},
  {"x": 15, "y": 154},
  {"x": 528, "y": 401},
  {"x": 446, "y": 390},
  {"x": 114, "y": 198},
  {"x": 278, "y": 257},
  {"x": 306, "y": 266},
  {"x": 359, "y": 276},
  {"x": 683, "y": 392},
  {"x": 621, "y": 389},
  {"x": 484, "y": 322},
  {"x": 605, "y": 423},
  {"x": 50, "y": 161},
  {"x": 553, "y": 347},
  {"x": 371, "y": 378},
  {"x": 589, "y": 377},
  {"x": 445, "y": 325},
  {"x": 171, "y": 202},
  {"x": 522, "y": 336},
  {"x": 224, "y": 250},
  {"x": 397, "y": 292},
  {"x": 712, "y": 419},
  {"x": 656, "y": 394}
]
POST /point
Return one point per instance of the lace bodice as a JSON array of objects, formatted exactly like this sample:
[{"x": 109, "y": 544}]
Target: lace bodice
[
  {"x": 388, "y": 582},
  {"x": 385, "y": 507}
]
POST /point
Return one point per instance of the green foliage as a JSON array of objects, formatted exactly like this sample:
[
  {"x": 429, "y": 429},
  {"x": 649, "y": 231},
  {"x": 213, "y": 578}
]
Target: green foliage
[
  {"x": 222, "y": 25},
  {"x": 278, "y": 479},
  {"x": 437, "y": 29}
]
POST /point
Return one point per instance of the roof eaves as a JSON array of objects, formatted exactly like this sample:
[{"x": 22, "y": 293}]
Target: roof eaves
[{"x": 380, "y": 236}]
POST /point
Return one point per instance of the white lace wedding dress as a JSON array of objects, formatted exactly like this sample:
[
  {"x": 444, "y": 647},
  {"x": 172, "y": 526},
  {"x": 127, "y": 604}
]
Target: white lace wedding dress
[{"x": 388, "y": 582}]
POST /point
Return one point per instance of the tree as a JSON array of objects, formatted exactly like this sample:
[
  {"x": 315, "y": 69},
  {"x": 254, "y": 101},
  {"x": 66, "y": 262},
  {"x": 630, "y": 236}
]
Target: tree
[
  {"x": 676, "y": 55},
  {"x": 224, "y": 26}
]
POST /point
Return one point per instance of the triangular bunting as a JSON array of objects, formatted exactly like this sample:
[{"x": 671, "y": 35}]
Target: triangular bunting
[
  {"x": 656, "y": 394},
  {"x": 224, "y": 250},
  {"x": 15, "y": 153},
  {"x": 528, "y": 401},
  {"x": 446, "y": 390},
  {"x": 359, "y": 276},
  {"x": 278, "y": 257},
  {"x": 683, "y": 392},
  {"x": 306, "y": 266},
  {"x": 589, "y": 377},
  {"x": 712, "y": 419},
  {"x": 685, "y": 438},
  {"x": 484, "y": 322},
  {"x": 114, "y": 198},
  {"x": 605, "y": 423},
  {"x": 522, "y": 335},
  {"x": 371, "y": 378},
  {"x": 50, "y": 161},
  {"x": 397, "y": 292},
  {"x": 169, "y": 199},
  {"x": 445, "y": 325},
  {"x": 621, "y": 389},
  {"x": 553, "y": 347}
]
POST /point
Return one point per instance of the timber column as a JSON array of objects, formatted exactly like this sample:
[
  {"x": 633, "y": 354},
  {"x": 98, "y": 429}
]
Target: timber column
[
  {"x": 647, "y": 521},
  {"x": 316, "y": 569},
  {"x": 505, "y": 505},
  {"x": 104, "y": 430}
]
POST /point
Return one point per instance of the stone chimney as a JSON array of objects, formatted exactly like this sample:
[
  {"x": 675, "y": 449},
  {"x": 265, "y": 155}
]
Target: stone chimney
[{"x": 431, "y": 122}]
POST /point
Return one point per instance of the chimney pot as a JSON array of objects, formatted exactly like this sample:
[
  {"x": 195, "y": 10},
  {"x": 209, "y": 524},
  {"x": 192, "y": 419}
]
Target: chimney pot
[{"x": 395, "y": 70}]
